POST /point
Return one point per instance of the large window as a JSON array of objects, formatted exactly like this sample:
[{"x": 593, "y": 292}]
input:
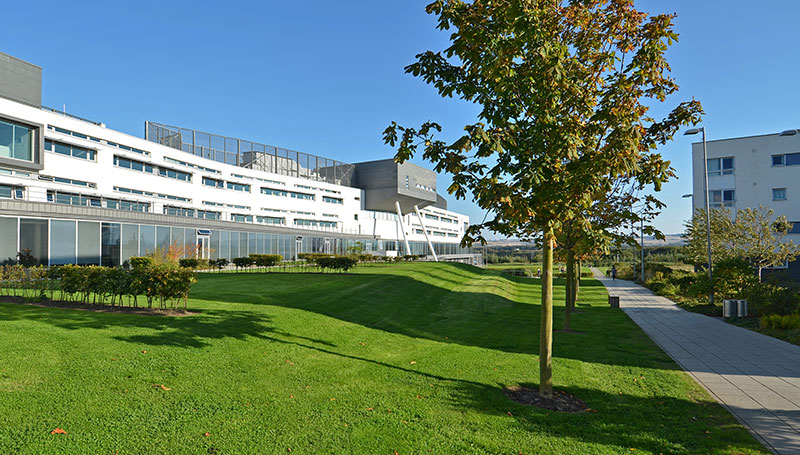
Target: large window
[
  {"x": 722, "y": 198},
  {"x": 33, "y": 235},
  {"x": 273, "y": 192},
  {"x": 11, "y": 192},
  {"x": 789, "y": 159},
  {"x": 306, "y": 196},
  {"x": 720, "y": 166},
  {"x": 63, "y": 235},
  {"x": 331, "y": 200},
  {"x": 16, "y": 141},
  {"x": 238, "y": 186},
  {"x": 110, "y": 244},
  {"x": 779, "y": 194},
  {"x": 69, "y": 150},
  {"x": 207, "y": 181},
  {"x": 8, "y": 239}
]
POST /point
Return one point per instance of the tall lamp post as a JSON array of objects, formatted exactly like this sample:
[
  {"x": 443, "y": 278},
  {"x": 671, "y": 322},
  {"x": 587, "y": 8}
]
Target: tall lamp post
[{"x": 708, "y": 212}]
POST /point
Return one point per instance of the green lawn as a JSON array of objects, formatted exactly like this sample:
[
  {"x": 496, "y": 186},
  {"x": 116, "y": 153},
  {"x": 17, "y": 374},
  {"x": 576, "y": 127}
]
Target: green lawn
[{"x": 408, "y": 357}]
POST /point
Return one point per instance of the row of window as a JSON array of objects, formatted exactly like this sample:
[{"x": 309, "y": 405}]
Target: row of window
[
  {"x": 293, "y": 194},
  {"x": 315, "y": 223},
  {"x": 436, "y": 233},
  {"x": 95, "y": 139},
  {"x": 725, "y": 166},
  {"x": 68, "y": 181},
  {"x": 194, "y": 166},
  {"x": 192, "y": 213},
  {"x": 148, "y": 168},
  {"x": 152, "y": 194},
  {"x": 69, "y": 150},
  {"x": 59, "y": 197}
]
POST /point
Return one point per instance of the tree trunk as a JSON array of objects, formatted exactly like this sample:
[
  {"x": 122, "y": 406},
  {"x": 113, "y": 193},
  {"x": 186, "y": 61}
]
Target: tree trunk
[
  {"x": 546, "y": 322},
  {"x": 577, "y": 286},
  {"x": 759, "y": 273},
  {"x": 569, "y": 284}
]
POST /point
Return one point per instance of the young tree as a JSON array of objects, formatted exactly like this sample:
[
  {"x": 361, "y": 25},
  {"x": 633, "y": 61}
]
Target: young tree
[
  {"x": 722, "y": 227},
  {"x": 755, "y": 234},
  {"x": 564, "y": 90}
]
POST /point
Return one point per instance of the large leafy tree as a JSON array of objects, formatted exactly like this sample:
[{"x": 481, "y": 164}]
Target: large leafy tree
[{"x": 564, "y": 89}]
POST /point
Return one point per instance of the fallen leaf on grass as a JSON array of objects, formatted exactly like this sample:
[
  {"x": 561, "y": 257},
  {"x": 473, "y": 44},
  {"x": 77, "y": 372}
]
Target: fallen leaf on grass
[
  {"x": 206, "y": 434},
  {"x": 510, "y": 414},
  {"x": 290, "y": 363},
  {"x": 418, "y": 396},
  {"x": 369, "y": 409},
  {"x": 291, "y": 396},
  {"x": 161, "y": 386},
  {"x": 58, "y": 431},
  {"x": 412, "y": 362},
  {"x": 333, "y": 399},
  {"x": 144, "y": 352},
  {"x": 591, "y": 410},
  {"x": 362, "y": 343}
]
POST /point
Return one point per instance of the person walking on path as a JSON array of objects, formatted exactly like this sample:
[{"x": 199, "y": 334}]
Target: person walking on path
[{"x": 614, "y": 272}]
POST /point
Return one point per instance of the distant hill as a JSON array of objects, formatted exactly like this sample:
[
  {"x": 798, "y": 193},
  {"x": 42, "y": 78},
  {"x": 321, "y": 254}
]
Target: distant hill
[{"x": 670, "y": 240}]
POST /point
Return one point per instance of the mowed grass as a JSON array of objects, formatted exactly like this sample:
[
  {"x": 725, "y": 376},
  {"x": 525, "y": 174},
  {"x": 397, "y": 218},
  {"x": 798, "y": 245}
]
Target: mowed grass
[{"x": 409, "y": 358}]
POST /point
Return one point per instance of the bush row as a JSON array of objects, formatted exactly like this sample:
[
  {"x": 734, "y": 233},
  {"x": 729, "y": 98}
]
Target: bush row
[
  {"x": 733, "y": 279},
  {"x": 163, "y": 283}
]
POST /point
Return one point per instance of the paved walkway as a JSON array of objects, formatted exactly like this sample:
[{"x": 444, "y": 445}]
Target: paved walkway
[{"x": 755, "y": 376}]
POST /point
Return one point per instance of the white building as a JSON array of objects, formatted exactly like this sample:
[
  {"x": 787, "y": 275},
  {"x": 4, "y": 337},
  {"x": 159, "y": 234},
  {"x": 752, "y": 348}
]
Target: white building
[
  {"x": 746, "y": 172},
  {"x": 74, "y": 191}
]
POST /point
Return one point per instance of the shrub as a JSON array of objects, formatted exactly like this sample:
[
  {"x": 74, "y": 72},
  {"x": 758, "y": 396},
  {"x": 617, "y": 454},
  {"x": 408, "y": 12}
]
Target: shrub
[
  {"x": 266, "y": 260},
  {"x": 140, "y": 261},
  {"x": 769, "y": 298},
  {"x": 340, "y": 263},
  {"x": 219, "y": 264},
  {"x": 193, "y": 263},
  {"x": 243, "y": 262},
  {"x": 781, "y": 322},
  {"x": 662, "y": 287},
  {"x": 732, "y": 278},
  {"x": 310, "y": 257}
]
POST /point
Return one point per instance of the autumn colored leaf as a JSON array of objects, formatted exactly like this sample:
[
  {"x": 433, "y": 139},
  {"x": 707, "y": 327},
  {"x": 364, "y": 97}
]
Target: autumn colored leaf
[
  {"x": 144, "y": 352},
  {"x": 412, "y": 362},
  {"x": 369, "y": 409},
  {"x": 206, "y": 434},
  {"x": 58, "y": 431},
  {"x": 161, "y": 386}
]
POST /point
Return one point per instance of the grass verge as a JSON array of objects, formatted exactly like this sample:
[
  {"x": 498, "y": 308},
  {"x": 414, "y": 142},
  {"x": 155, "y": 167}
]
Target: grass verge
[{"x": 406, "y": 358}]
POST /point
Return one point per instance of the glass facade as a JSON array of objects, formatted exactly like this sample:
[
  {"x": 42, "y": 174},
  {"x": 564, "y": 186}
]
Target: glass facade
[
  {"x": 8, "y": 239},
  {"x": 88, "y": 243},
  {"x": 33, "y": 236},
  {"x": 56, "y": 242},
  {"x": 65, "y": 250},
  {"x": 110, "y": 245}
]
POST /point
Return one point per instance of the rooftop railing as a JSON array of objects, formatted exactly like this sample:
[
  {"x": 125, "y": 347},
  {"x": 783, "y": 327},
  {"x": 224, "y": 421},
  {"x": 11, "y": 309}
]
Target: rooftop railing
[{"x": 251, "y": 155}]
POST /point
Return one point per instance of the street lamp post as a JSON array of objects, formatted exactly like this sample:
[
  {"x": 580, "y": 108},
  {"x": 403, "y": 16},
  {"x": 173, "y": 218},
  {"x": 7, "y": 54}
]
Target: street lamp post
[{"x": 690, "y": 132}]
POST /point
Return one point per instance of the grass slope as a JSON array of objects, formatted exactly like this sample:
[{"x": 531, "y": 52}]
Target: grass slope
[{"x": 409, "y": 358}]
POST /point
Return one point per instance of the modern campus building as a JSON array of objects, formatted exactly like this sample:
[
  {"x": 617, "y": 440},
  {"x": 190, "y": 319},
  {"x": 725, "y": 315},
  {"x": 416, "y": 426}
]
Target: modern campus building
[
  {"x": 75, "y": 192},
  {"x": 751, "y": 171}
]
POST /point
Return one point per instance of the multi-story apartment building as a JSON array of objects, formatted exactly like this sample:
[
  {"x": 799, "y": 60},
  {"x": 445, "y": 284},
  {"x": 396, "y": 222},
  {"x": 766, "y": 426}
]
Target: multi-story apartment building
[
  {"x": 751, "y": 171},
  {"x": 75, "y": 191}
]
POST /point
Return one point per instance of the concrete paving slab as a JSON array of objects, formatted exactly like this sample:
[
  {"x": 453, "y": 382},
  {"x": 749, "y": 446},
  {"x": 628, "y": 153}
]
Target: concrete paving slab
[{"x": 756, "y": 377}]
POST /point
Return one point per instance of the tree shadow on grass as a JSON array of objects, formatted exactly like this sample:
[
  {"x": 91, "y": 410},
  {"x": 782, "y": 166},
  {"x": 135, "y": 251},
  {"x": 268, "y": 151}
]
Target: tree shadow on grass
[
  {"x": 189, "y": 331},
  {"x": 655, "y": 424},
  {"x": 412, "y": 307}
]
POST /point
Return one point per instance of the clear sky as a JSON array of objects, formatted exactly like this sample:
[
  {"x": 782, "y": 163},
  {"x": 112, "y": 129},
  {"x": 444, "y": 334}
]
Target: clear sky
[{"x": 327, "y": 77}]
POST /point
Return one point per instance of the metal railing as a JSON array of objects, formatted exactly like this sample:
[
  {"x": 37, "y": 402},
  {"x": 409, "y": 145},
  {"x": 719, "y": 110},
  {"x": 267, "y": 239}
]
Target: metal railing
[{"x": 251, "y": 155}]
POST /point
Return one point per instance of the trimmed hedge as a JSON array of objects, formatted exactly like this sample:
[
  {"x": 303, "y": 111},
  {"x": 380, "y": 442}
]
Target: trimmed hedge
[
  {"x": 266, "y": 260},
  {"x": 163, "y": 283},
  {"x": 339, "y": 263}
]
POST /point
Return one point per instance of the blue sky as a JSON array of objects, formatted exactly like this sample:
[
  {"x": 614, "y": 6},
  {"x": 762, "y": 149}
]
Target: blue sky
[{"x": 327, "y": 77}]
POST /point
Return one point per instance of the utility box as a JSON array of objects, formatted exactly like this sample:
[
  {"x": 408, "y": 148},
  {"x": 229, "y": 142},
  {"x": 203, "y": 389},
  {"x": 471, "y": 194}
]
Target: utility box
[
  {"x": 730, "y": 308},
  {"x": 741, "y": 308},
  {"x": 613, "y": 301}
]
